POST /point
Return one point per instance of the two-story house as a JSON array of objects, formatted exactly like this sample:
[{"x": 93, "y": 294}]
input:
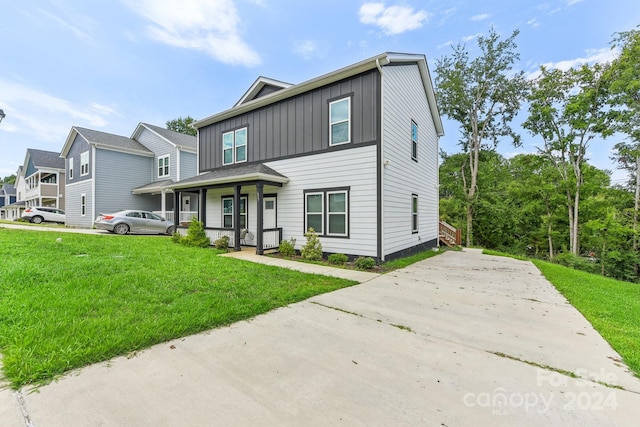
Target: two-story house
[
  {"x": 44, "y": 179},
  {"x": 7, "y": 197},
  {"x": 107, "y": 173},
  {"x": 352, "y": 154},
  {"x": 14, "y": 210}
]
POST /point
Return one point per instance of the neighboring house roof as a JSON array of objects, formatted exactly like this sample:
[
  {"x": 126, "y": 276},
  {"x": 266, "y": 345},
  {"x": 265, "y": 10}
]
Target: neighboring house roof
[
  {"x": 154, "y": 187},
  {"x": 352, "y": 70},
  {"x": 8, "y": 189},
  {"x": 44, "y": 159},
  {"x": 105, "y": 140},
  {"x": 261, "y": 87},
  {"x": 18, "y": 203},
  {"x": 178, "y": 139},
  {"x": 248, "y": 172}
]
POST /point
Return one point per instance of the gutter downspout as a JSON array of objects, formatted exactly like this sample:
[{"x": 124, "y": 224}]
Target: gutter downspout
[{"x": 381, "y": 159}]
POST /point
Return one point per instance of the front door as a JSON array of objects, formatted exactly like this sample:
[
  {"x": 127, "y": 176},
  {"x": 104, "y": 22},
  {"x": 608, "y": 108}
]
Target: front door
[{"x": 269, "y": 213}]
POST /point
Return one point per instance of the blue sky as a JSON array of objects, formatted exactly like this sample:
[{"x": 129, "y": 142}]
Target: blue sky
[{"x": 110, "y": 64}]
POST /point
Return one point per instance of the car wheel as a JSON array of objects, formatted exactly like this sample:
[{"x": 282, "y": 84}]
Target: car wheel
[
  {"x": 171, "y": 230},
  {"x": 121, "y": 229},
  {"x": 36, "y": 219}
]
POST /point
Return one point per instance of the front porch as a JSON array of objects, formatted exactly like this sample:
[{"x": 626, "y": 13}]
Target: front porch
[{"x": 238, "y": 202}]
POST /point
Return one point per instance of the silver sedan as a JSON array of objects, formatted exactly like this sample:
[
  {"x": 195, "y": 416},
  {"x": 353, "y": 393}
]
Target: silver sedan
[{"x": 134, "y": 221}]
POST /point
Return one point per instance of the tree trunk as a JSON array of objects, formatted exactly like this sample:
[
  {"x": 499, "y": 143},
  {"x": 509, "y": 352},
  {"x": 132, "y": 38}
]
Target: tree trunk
[{"x": 575, "y": 244}]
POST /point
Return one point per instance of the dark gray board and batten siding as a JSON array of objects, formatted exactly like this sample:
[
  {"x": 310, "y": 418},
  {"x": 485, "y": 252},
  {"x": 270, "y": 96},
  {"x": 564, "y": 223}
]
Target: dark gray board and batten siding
[{"x": 298, "y": 125}]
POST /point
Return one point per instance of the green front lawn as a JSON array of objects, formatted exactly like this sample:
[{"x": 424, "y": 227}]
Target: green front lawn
[
  {"x": 88, "y": 298},
  {"x": 612, "y": 307}
]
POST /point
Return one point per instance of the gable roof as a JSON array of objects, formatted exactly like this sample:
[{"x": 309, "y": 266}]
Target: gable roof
[
  {"x": 242, "y": 173},
  {"x": 177, "y": 139},
  {"x": 258, "y": 87},
  {"x": 44, "y": 159},
  {"x": 379, "y": 61},
  {"x": 104, "y": 140},
  {"x": 8, "y": 189}
]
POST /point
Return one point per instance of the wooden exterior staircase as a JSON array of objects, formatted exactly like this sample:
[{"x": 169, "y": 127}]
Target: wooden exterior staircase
[{"x": 449, "y": 235}]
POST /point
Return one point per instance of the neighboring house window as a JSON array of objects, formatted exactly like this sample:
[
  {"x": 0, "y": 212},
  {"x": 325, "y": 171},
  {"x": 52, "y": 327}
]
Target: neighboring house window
[
  {"x": 327, "y": 212},
  {"x": 340, "y": 121},
  {"x": 234, "y": 146},
  {"x": 163, "y": 166},
  {"x": 414, "y": 213},
  {"x": 227, "y": 212},
  {"x": 414, "y": 140},
  {"x": 71, "y": 168},
  {"x": 84, "y": 163},
  {"x": 83, "y": 204}
]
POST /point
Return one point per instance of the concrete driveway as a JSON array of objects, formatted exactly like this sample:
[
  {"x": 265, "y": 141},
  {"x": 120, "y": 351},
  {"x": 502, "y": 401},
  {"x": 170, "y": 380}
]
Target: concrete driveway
[{"x": 456, "y": 340}]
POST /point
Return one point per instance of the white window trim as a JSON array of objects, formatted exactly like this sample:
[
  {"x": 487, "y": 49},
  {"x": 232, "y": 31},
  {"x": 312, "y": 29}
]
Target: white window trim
[
  {"x": 345, "y": 213},
  {"x": 165, "y": 165},
  {"x": 70, "y": 168},
  {"x": 234, "y": 146},
  {"x": 348, "y": 120},
  {"x": 84, "y": 171}
]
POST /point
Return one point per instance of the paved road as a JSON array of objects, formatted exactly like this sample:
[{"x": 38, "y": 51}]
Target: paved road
[{"x": 456, "y": 340}]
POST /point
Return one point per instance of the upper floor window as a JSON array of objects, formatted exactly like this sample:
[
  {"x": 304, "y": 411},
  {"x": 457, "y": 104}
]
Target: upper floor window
[
  {"x": 71, "y": 168},
  {"x": 340, "y": 121},
  {"x": 234, "y": 146},
  {"x": 414, "y": 140},
  {"x": 84, "y": 163},
  {"x": 163, "y": 166}
]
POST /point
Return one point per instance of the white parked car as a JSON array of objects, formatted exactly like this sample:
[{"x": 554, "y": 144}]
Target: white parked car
[{"x": 38, "y": 214}]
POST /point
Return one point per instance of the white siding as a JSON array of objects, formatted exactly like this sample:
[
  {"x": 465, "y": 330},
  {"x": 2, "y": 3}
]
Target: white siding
[
  {"x": 72, "y": 211},
  {"x": 354, "y": 168},
  {"x": 405, "y": 100}
]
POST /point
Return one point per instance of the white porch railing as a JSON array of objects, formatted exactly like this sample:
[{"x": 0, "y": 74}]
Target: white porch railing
[{"x": 185, "y": 216}]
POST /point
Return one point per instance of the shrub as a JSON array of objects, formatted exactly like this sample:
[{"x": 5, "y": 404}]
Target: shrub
[
  {"x": 196, "y": 235},
  {"x": 312, "y": 250},
  {"x": 176, "y": 237},
  {"x": 222, "y": 243},
  {"x": 365, "y": 263},
  {"x": 590, "y": 265},
  {"x": 338, "y": 259},
  {"x": 288, "y": 247}
]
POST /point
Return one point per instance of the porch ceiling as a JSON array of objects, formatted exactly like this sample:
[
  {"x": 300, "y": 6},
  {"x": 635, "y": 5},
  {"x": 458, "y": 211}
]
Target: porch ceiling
[
  {"x": 233, "y": 175},
  {"x": 153, "y": 188}
]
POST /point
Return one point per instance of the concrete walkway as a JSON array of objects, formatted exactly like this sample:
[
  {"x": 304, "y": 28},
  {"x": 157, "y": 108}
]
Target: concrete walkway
[{"x": 455, "y": 340}]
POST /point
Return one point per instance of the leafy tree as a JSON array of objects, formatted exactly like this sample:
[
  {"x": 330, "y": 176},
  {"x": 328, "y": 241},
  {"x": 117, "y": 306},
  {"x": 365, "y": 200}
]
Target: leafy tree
[
  {"x": 11, "y": 179},
  {"x": 182, "y": 125},
  {"x": 483, "y": 95},
  {"x": 624, "y": 74},
  {"x": 567, "y": 109}
]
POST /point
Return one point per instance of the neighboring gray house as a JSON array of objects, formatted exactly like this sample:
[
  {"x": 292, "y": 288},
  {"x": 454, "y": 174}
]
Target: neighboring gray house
[
  {"x": 44, "y": 179},
  {"x": 7, "y": 197},
  {"x": 14, "y": 210},
  {"x": 353, "y": 154},
  {"x": 107, "y": 172}
]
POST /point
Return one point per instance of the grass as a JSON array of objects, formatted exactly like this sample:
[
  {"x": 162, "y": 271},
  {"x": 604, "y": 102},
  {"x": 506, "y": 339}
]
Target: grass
[
  {"x": 89, "y": 298},
  {"x": 612, "y": 307}
]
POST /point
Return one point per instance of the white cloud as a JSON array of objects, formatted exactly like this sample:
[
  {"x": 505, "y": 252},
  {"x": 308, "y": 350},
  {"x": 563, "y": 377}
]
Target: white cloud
[
  {"x": 305, "y": 48},
  {"x": 45, "y": 117},
  {"x": 592, "y": 56},
  {"x": 471, "y": 37},
  {"x": 481, "y": 17},
  {"x": 392, "y": 19},
  {"x": 533, "y": 22},
  {"x": 211, "y": 26},
  {"x": 572, "y": 2}
]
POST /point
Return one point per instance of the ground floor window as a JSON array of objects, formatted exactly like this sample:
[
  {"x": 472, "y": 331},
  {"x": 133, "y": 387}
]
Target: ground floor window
[
  {"x": 228, "y": 212},
  {"x": 327, "y": 211},
  {"x": 414, "y": 213}
]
